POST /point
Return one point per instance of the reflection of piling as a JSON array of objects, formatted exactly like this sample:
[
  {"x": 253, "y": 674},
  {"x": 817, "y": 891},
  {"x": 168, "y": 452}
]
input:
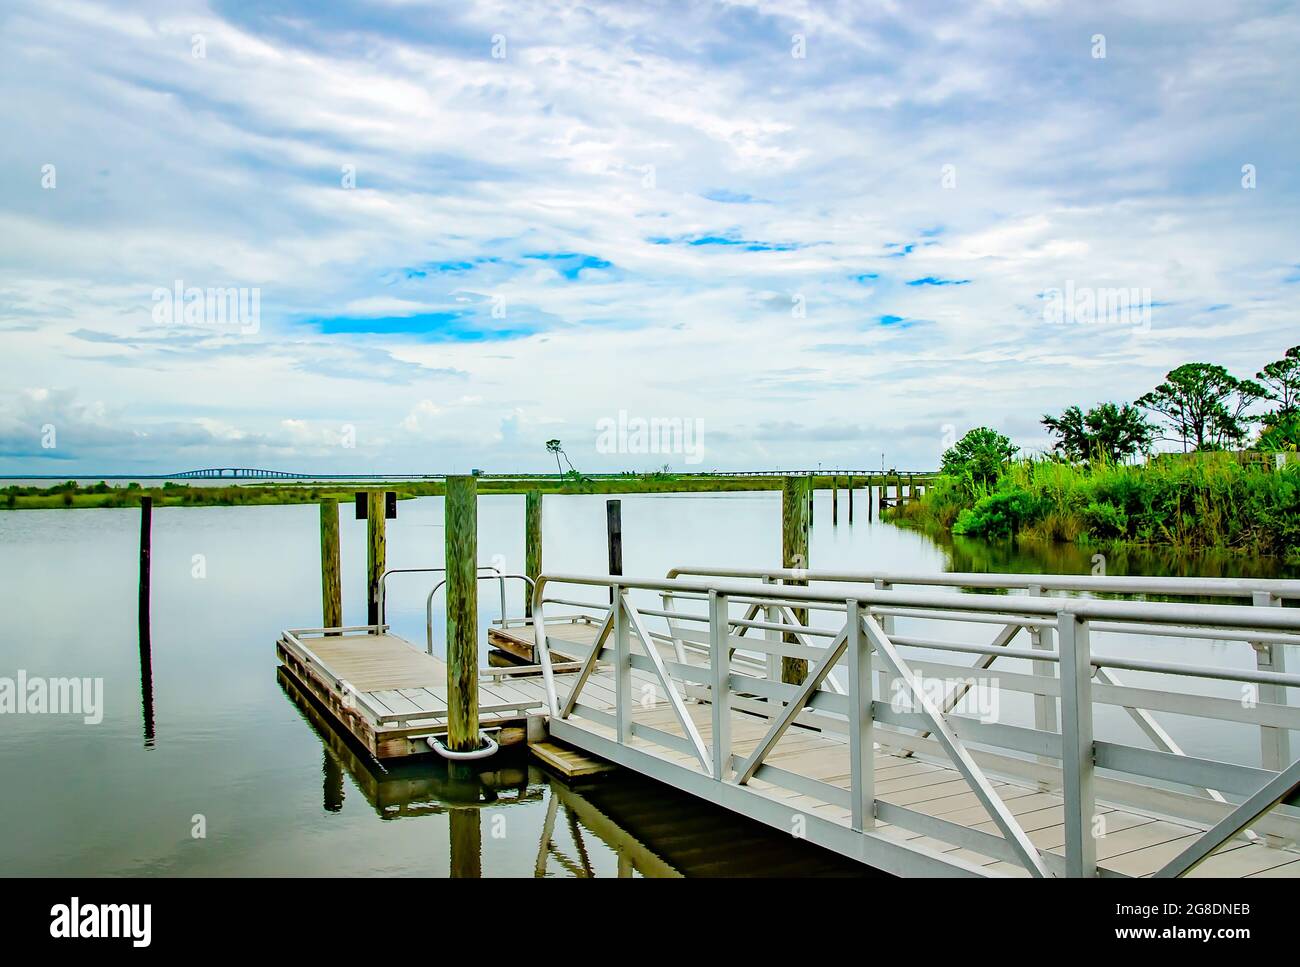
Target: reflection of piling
[
  {"x": 466, "y": 844},
  {"x": 332, "y": 795},
  {"x": 146, "y": 642},
  {"x": 461, "y": 559},
  {"x": 331, "y": 586},
  {"x": 532, "y": 543},
  {"x": 795, "y": 522}
]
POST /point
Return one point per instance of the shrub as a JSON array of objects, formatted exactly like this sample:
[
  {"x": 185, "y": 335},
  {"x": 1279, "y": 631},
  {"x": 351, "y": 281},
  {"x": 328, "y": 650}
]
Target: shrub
[
  {"x": 1104, "y": 520},
  {"x": 999, "y": 514}
]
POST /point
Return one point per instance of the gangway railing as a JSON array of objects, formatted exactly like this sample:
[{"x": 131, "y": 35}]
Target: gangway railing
[{"x": 712, "y": 658}]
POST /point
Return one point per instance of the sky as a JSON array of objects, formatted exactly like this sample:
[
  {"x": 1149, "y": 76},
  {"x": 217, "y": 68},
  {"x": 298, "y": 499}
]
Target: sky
[{"x": 790, "y": 234}]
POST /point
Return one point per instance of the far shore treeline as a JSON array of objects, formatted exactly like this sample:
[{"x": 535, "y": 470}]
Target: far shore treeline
[
  {"x": 1233, "y": 482},
  {"x": 171, "y": 494}
]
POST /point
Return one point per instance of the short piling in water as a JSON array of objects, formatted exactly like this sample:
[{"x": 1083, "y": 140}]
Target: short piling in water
[
  {"x": 376, "y": 553},
  {"x": 614, "y": 537},
  {"x": 331, "y": 586},
  {"x": 796, "y": 518},
  {"x": 461, "y": 560},
  {"x": 532, "y": 543},
  {"x": 146, "y": 542}
]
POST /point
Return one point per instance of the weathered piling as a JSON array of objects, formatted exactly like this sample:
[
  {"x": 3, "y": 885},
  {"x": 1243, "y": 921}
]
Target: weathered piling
[
  {"x": 331, "y": 586},
  {"x": 532, "y": 543},
  {"x": 850, "y": 498},
  {"x": 461, "y": 560},
  {"x": 871, "y": 509},
  {"x": 376, "y": 553},
  {"x": 614, "y": 537},
  {"x": 795, "y": 521},
  {"x": 911, "y": 486},
  {"x": 835, "y": 500},
  {"x": 810, "y": 487}
]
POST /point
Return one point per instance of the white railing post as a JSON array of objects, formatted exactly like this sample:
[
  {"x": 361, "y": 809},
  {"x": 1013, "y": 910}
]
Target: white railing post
[
  {"x": 1274, "y": 743},
  {"x": 862, "y": 755},
  {"x": 622, "y": 670},
  {"x": 886, "y": 625},
  {"x": 1040, "y": 639},
  {"x": 719, "y": 634},
  {"x": 771, "y": 615},
  {"x": 1077, "y": 752}
]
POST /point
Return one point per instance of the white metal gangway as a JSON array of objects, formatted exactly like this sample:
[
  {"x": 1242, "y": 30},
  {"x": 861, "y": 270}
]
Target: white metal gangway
[{"x": 917, "y": 763}]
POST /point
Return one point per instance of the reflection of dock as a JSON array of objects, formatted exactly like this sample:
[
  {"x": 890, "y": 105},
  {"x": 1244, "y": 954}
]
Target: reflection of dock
[
  {"x": 399, "y": 789},
  {"x": 651, "y": 831}
]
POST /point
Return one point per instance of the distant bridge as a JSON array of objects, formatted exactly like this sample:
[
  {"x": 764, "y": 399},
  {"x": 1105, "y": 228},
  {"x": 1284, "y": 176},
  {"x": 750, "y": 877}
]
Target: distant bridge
[{"x": 236, "y": 473}]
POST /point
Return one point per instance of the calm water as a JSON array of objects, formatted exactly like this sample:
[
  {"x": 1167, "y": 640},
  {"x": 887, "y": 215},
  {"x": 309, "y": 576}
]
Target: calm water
[{"x": 234, "y": 747}]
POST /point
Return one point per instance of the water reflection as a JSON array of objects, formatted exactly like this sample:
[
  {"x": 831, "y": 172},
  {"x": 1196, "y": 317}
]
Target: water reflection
[
  {"x": 968, "y": 554},
  {"x": 146, "y": 680},
  {"x": 615, "y": 824}
]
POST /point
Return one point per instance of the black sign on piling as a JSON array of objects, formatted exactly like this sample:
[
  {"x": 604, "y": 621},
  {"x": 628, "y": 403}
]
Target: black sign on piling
[
  {"x": 362, "y": 501},
  {"x": 390, "y": 505},
  {"x": 614, "y": 537}
]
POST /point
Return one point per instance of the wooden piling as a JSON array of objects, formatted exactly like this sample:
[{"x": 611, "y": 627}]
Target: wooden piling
[
  {"x": 871, "y": 503},
  {"x": 146, "y": 543},
  {"x": 532, "y": 544},
  {"x": 461, "y": 560},
  {"x": 331, "y": 586},
  {"x": 614, "y": 537},
  {"x": 835, "y": 500},
  {"x": 795, "y": 522},
  {"x": 850, "y": 498},
  {"x": 376, "y": 553}
]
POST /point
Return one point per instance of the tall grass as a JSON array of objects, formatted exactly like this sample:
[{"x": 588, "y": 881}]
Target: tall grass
[{"x": 1204, "y": 503}]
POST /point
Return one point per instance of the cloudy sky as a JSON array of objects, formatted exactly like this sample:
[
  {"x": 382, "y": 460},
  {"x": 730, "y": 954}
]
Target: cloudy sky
[{"x": 817, "y": 232}]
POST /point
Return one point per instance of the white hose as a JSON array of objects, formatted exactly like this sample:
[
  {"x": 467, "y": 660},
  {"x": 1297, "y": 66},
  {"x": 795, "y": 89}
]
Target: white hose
[{"x": 488, "y": 748}]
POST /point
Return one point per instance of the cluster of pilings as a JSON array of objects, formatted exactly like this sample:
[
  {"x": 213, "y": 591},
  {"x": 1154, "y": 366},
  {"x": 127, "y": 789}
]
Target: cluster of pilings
[{"x": 461, "y": 562}]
